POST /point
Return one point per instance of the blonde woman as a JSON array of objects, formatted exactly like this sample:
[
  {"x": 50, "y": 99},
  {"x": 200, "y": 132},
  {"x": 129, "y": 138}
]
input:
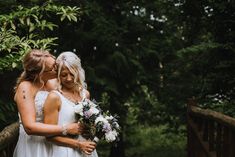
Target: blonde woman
[{"x": 59, "y": 106}]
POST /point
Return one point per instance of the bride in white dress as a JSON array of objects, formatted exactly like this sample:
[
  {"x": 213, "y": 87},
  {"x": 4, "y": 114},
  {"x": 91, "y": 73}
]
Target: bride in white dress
[
  {"x": 59, "y": 105},
  {"x": 31, "y": 91}
]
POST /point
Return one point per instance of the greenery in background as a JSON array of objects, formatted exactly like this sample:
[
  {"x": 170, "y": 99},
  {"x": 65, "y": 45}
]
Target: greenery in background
[
  {"x": 145, "y": 141},
  {"x": 26, "y": 28},
  {"x": 7, "y": 114},
  {"x": 143, "y": 59}
]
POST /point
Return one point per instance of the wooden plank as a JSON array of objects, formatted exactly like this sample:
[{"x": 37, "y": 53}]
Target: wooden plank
[
  {"x": 231, "y": 143},
  {"x": 205, "y": 131},
  {"x": 219, "y": 140},
  {"x": 212, "y": 115},
  {"x": 211, "y": 132},
  {"x": 199, "y": 135}
]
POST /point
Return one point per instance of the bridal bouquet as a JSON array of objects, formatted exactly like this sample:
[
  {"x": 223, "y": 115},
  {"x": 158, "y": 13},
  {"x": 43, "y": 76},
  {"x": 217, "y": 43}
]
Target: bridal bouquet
[{"x": 101, "y": 125}]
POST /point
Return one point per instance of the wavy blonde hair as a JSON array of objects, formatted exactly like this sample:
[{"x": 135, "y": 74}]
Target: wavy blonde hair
[
  {"x": 33, "y": 66},
  {"x": 71, "y": 61}
]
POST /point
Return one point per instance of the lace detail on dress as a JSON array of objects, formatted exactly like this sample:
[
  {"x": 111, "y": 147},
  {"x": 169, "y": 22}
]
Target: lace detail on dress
[
  {"x": 32, "y": 145},
  {"x": 39, "y": 102}
]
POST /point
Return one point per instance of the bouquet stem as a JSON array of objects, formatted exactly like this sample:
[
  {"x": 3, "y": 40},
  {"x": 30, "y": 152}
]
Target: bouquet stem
[{"x": 96, "y": 139}]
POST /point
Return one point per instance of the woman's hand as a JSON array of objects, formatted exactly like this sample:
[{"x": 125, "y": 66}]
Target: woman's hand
[
  {"x": 86, "y": 146},
  {"x": 74, "y": 129},
  {"x": 85, "y": 131}
]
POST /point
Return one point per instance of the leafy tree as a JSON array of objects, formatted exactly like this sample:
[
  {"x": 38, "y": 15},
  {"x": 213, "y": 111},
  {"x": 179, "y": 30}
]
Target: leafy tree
[{"x": 26, "y": 28}]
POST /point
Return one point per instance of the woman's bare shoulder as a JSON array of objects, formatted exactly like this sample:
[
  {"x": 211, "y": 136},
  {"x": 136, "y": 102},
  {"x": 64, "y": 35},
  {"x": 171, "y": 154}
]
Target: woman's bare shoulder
[
  {"x": 25, "y": 88},
  {"x": 52, "y": 84},
  {"x": 53, "y": 100},
  {"x": 25, "y": 85},
  {"x": 53, "y": 95}
]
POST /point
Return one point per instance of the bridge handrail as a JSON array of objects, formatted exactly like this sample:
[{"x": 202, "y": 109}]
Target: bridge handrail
[
  {"x": 213, "y": 115},
  {"x": 8, "y": 139},
  {"x": 210, "y": 133}
]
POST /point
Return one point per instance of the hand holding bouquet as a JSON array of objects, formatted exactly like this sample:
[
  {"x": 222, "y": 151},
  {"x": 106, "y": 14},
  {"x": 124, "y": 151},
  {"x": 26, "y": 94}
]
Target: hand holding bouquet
[{"x": 101, "y": 125}]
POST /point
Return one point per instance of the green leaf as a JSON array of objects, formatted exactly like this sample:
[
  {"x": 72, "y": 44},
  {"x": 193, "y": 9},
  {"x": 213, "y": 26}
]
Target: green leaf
[
  {"x": 14, "y": 65},
  {"x": 64, "y": 11},
  {"x": 68, "y": 16},
  {"x": 22, "y": 20},
  {"x": 31, "y": 28},
  {"x": 13, "y": 26},
  {"x": 74, "y": 18},
  {"x": 28, "y": 21}
]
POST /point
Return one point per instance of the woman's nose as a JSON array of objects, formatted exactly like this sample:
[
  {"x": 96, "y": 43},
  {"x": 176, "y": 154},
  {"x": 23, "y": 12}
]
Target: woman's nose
[{"x": 69, "y": 77}]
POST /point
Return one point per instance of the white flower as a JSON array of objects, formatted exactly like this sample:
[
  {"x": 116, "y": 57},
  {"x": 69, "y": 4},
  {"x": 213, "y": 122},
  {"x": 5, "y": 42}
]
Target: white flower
[
  {"x": 116, "y": 125},
  {"x": 89, "y": 103},
  {"x": 78, "y": 109},
  {"x": 109, "y": 117},
  {"x": 92, "y": 104},
  {"x": 94, "y": 110},
  {"x": 111, "y": 136},
  {"x": 100, "y": 119}
]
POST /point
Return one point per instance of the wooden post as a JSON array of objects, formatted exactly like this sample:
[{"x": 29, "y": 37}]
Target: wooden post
[
  {"x": 191, "y": 146},
  {"x": 218, "y": 140},
  {"x": 231, "y": 143},
  {"x": 205, "y": 131},
  {"x": 225, "y": 151},
  {"x": 211, "y": 132}
]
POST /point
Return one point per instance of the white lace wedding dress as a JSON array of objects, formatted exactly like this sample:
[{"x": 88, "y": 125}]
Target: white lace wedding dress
[
  {"x": 32, "y": 145},
  {"x": 67, "y": 116}
]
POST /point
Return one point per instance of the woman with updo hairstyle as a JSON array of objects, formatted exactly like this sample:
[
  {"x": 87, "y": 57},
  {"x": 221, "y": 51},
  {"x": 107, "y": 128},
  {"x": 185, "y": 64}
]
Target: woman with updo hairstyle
[
  {"x": 59, "y": 106},
  {"x": 32, "y": 88}
]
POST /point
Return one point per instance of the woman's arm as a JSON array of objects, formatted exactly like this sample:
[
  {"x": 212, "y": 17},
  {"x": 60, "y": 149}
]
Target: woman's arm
[
  {"x": 85, "y": 146},
  {"x": 24, "y": 98},
  {"x": 51, "y": 112}
]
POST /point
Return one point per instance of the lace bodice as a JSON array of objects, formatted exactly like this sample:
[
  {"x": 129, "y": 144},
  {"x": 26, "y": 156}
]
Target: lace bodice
[{"x": 39, "y": 102}]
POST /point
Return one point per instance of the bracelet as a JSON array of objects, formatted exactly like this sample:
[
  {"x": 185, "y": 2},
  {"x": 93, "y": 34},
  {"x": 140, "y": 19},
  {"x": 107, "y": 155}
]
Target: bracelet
[{"x": 64, "y": 130}]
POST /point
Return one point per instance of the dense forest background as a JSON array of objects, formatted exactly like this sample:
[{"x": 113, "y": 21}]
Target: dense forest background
[{"x": 143, "y": 60}]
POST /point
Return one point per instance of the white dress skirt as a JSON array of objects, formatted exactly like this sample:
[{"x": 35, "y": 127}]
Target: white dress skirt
[
  {"x": 67, "y": 116},
  {"x": 31, "y": 145}
]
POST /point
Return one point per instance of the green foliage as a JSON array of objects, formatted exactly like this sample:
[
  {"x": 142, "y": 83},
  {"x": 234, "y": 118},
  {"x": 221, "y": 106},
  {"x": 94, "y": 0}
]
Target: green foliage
[
  {"x": 26, "y": 28},
  {"x": 145, "y": 141},
  {"x": 196, "y": 50},
  {"x": 13, "y": 48},
  {"x": 8, "y": 114},
  {"x": 144, "y": 108}
]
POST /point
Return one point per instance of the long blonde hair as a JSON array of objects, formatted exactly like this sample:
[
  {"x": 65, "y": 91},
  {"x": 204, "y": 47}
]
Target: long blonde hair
[
  {"x": 73, "y": 63},
  {"x": 33, "y": 66}
]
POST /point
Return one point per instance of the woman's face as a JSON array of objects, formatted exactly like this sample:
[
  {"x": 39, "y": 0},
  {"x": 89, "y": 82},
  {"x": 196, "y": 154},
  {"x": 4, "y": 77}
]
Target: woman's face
[
  {"x": 50, "y": 69},
  {"x": 67, "y": 78}
]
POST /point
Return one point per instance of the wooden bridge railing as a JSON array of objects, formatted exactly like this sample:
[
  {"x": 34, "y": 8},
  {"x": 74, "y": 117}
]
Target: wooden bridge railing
[
  {"x": 210, "y": 134},
  {"x": 8, "y": 139}
]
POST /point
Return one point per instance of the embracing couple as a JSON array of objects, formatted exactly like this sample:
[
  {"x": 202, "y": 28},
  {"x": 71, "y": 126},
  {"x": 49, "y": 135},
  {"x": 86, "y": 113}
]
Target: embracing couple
[{"x": 46, "y": 93}]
